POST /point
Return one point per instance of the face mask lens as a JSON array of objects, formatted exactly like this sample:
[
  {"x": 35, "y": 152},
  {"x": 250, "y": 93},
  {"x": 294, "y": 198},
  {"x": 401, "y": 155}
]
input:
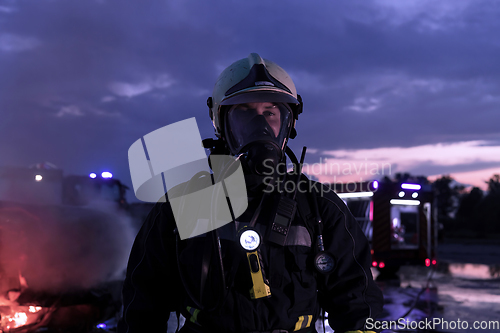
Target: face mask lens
[{"x": 252, "y": 122}]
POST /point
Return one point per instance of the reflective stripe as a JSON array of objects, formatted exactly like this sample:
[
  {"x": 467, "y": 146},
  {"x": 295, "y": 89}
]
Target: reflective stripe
[
  {"x": 303, "y": 322},
  {"x": 194, "y": 314},
  {"x": 309, "y": 320},
  {"x": 298, "y": 325}
]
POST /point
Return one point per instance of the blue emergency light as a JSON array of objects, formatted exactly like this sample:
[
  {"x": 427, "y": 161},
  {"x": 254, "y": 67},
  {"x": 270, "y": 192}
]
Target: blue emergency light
[{"x": 106, "y": 174}]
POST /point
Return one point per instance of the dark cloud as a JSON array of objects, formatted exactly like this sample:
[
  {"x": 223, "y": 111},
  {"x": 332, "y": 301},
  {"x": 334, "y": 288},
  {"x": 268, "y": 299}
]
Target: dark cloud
[{"x": 81, "y": 81}]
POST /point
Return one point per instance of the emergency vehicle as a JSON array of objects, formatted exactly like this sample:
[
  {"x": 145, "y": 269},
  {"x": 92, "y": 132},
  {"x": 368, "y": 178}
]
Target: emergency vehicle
[{"x": 398, "y": 220}]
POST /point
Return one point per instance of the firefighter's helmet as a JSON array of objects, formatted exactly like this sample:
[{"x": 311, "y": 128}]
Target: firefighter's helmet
[{"x": 250, "y": 80}]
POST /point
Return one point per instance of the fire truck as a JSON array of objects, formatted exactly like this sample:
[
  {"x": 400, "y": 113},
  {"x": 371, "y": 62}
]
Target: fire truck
[{"x": 398, "y": 220}]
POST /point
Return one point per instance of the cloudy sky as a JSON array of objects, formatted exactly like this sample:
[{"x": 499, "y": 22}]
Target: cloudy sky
[{"x": 410, "y": 84}]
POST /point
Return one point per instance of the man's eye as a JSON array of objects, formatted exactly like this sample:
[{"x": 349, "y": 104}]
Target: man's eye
[{"x": 269, "y": 113}]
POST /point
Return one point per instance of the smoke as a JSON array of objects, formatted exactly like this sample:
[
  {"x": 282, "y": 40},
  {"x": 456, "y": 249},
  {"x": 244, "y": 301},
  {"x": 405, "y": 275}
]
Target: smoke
[{"x": 62, "y": 248}]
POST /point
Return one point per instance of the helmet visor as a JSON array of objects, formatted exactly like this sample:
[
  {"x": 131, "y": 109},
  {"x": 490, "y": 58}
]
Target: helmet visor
[{"x": 263, "y": 121}]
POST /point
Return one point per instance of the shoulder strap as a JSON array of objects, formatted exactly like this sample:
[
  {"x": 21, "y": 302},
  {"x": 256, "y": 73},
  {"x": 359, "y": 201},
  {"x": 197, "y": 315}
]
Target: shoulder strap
[{"x": 307, "y": 206}]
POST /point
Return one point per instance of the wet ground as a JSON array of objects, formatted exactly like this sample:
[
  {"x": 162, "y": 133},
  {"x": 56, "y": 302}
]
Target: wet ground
[
  {"x": 455, "y": 299},
  {"x": 462, "y": 292}
]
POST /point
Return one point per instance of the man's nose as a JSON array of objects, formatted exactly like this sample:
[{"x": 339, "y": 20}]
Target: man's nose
[{"x": 259, "y": 120}]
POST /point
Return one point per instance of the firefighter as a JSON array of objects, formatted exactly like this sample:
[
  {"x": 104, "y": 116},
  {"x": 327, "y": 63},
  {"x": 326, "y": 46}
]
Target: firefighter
[{"x": 294, "y": 251}]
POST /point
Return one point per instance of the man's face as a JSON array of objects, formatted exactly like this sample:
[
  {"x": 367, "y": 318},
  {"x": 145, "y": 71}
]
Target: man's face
[
  {"x": 257, "y": 122},
  {"x": 270, "y": 111}
]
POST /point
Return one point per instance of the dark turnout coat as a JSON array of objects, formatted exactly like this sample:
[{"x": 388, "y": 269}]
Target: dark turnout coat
[{"x": 158, "y": 275}]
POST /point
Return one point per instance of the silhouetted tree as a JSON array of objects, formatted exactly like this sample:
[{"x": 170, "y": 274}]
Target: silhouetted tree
[
  {"x": 447, "y": 198},
  {"x": 406, "y": 177},
  {"x": 489, "y": 209},
  {"x": 469, "y": 203},
  {"x": 401, "y": 177},
  {"x": 494, "y": 184},
  {"x": 468, "y": 221}
]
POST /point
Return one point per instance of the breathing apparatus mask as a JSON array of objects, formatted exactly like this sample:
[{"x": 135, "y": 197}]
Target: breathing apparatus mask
[{"x": 258, "y": 131}]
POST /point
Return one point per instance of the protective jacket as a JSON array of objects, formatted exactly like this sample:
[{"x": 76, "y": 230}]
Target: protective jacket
[{"x": 161, "y": 268}]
